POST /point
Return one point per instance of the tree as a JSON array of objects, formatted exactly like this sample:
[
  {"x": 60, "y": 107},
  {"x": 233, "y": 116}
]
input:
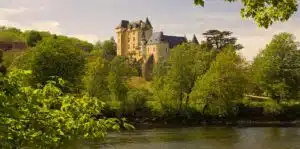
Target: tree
[
  {"x": 2, "y": 67},
  {"x": 222, "y": 84},
  {"x": 46, "y": 118},
  {"x": 119, "y": 72},
  {"x": 220, "y": 39},
  {"x": 95, "y": 79},
  {"x": 265, "y": 12},
  {"x": 33, "y": 37},
  {"x": 276, "y": 69},
  {"x": 174, "y": 79},
  {"x": 108, "y": 47},
  {"x": 57, "y": 57}
]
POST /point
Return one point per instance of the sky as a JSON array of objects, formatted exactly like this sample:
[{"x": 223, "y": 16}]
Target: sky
[{"x": 94, "y": 20}]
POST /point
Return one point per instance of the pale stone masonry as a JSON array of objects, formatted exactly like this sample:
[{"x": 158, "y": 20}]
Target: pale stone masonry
[{"x": 138, "y": 40}]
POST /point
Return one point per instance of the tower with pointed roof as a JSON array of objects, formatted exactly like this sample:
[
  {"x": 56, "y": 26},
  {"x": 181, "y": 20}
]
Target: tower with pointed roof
[
  {"x": 195, "y": 40},
  {"x": 137, "y": 39},
  {"x": 132, "y": 37}
]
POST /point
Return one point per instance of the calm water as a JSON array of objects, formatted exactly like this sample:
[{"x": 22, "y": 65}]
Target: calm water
[{"x": 205, "y": 138}]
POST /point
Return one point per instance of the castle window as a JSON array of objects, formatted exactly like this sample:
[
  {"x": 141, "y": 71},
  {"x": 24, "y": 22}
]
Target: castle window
[
  {"x": 128, "y": 46},
  {"x": 133, "y": 38}
]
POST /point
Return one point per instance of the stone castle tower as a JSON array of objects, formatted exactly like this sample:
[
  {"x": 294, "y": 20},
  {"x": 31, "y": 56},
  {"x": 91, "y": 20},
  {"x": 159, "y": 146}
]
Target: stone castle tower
[
  {"x": 137, "y": 40},
  {"x": 132, "y": 38}
]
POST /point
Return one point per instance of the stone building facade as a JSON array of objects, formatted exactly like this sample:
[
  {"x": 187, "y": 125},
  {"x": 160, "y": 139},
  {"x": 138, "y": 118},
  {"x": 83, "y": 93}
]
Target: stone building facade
[{"x": 137, "y": 39}]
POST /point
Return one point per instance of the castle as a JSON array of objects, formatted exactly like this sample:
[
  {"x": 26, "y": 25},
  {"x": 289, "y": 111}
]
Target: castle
[{"x": 137, "y": 39}]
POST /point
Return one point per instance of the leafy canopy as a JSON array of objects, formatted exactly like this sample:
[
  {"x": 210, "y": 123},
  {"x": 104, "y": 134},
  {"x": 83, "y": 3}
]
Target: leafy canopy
[
  {"x": 276, "y": 69},
  {"x": 175, "y": 78},
  {"x": 33, "y": 37},
  {"x": 45, "y": 117},
  {"x": 265, "y": 12},
  {"x": 222, "y": 85},
  {"x": 221, "y": 39},
  {"x": 57, "y": 57}
]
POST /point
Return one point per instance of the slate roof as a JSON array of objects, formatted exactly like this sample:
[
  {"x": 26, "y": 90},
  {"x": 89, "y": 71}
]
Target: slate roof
[
  {"x": 124, "y": 23},
  {"x": 195, "y": 40},
  {"x": 148, "y": 23},
  {"x": 159, "y": 37},
  {"x": 174, "y": 40},
  {"x": 135, "y": 24}
]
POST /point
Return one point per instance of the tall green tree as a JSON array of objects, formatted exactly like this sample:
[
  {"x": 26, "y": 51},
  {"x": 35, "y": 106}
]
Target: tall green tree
[
  {"x": 108, "y": 48},
  {"x": 95, "y": 79},
  {"x": 33, "y": 37},
  {"x": 265, "y": 12},
  {"x": 2, "y": 67},
  {"x": 222, "y": 85},
  {"x": 119, "y": 72},
  {"x": 276, "y": 69},
  {"x": 174, "y": 79},
  {"x": 57, "y": 57},
  {"x": 220, "y": 39}
]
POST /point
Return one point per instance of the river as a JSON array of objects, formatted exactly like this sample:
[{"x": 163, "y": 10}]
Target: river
[{"x": 205, "y": 138}]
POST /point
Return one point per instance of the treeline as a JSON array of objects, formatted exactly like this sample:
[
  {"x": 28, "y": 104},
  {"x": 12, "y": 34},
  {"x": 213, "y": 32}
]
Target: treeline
[
  {"x": 56, "y": 92},
  {"x": 32, "y": 37}
]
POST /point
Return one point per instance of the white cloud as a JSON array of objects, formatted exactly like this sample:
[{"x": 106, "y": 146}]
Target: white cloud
[
  {"x": 256, "y": 39},
  {"x": 48, "y": 25},
  {"x": 8, "y": 12},
  {"x": 87, "y": 37}
]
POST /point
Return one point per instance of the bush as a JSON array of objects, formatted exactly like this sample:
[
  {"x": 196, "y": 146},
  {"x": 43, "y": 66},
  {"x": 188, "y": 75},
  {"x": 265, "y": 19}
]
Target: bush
[
  {"x": 46, "y": 117},
  {"x": 136, "y": 101},
  {"x": 57, "y": 57}
]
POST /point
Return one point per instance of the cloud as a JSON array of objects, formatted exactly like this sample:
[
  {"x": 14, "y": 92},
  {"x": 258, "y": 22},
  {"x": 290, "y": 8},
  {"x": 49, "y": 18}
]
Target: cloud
[
  {"x": 255, "y": 39},
  {"x": 8, "y": 12},
  {"x": 87, "y": 37},
  {"x": 46, "y": 25}
]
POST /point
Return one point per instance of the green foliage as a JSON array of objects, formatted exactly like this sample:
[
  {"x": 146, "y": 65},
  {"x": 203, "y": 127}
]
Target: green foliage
[
  {"x": 2, "y": 67},
  {"x": 265, "y": 12},
  {"x": 220, "y": 39},
  {"x": 46, "y": 117},
  {"x": 276, "y": 70},
  {"x": 136, "y": 100},
  {"x": 10, "y": 35},
  {"x": 222, "y": 84},
  {"x": 82, "y": 45},
  {"x": 33, "y": 37},
  {"x": 174, "y": 79},
  {"x": 119, "y": 72},
  {"x": 108, "y": 48},
  {"x": 57, "y": 57},
  {"x": 95, "y": 79},
  {"x": 23, "y": 61}
]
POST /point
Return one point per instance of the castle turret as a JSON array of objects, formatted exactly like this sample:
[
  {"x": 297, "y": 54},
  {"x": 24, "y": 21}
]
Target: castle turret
[
  {"x": 148, "y": 24},
  {"x": 195, "y": 40}
]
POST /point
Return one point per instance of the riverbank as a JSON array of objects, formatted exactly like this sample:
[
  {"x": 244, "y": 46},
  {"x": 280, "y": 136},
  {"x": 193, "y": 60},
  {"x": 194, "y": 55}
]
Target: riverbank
[{"x": 153, "y": 125}]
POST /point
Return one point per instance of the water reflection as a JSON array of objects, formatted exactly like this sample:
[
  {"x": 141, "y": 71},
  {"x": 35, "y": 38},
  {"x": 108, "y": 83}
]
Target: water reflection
[{"x": 204, "y": 138}]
